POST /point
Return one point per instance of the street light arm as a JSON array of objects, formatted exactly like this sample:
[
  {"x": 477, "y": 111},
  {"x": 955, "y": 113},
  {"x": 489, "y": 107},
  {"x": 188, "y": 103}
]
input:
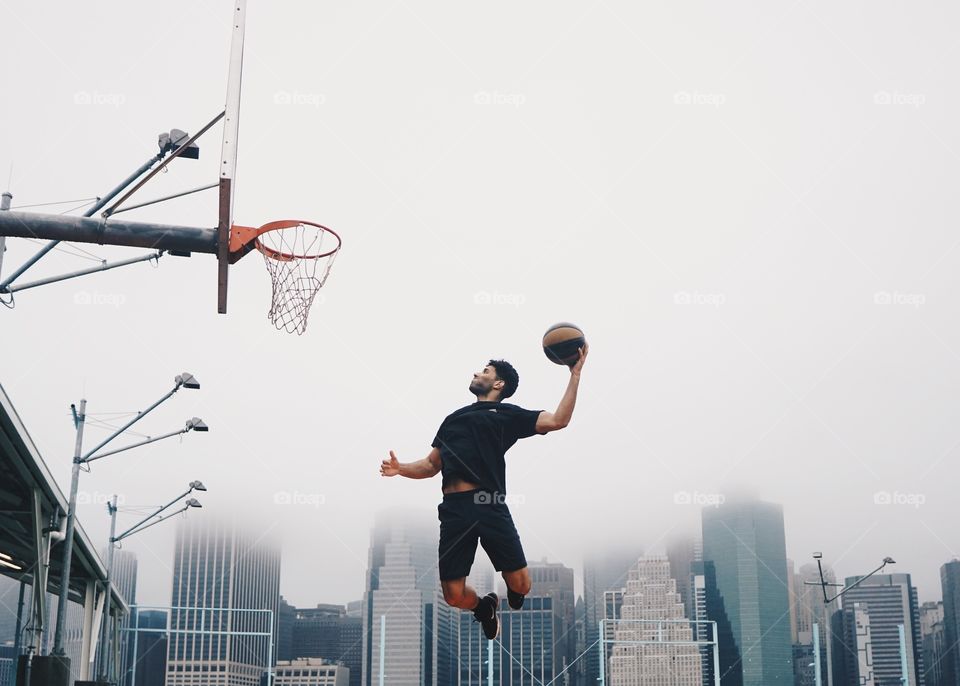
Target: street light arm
[
  {"x": 133, "y": 528},
  {"x": 147, "y": 526},
  {"x": 140, "y": 415},
  {"x": 136, "y": 445},
  {"x": 856, "y": 583}
]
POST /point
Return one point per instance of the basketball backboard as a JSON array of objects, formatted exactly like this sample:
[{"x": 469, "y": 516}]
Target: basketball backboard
[{"x": 228, "y": 154}]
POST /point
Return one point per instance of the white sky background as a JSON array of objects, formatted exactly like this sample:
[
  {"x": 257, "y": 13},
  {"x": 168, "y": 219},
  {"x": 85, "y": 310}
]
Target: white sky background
[{"x": 778, "y": 166}]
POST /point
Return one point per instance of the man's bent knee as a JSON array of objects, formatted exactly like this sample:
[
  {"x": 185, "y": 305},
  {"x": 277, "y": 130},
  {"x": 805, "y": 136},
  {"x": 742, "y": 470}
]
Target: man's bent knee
[
  {"x": 518, "y": 581},
  {"x": 453, "y": 591}
]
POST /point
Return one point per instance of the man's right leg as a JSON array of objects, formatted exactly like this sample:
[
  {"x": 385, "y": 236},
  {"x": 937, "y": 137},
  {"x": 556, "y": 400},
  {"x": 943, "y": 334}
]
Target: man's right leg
[{"x": 458, "y": 594}]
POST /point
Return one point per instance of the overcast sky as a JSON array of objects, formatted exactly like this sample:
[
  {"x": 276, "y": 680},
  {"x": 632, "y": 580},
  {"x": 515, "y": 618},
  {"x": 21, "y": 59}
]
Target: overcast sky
[{"x": 746, "y": 205}]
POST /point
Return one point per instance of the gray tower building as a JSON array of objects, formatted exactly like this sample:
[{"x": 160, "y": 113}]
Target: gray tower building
[
  {"x": 524, "y": 653},
  {"x": 325, "y": 631},
  {"x": 882, "y": 602},
  {"x": 934, "y": 645},
  {"x": 151, "y": 648},
  {"x": 606, "y": 571},
  {"x": 744, "y": 539},
  {"x": 950, "y": 583},
  {"x": 221, "y": 572},
  {"x": 403, "y": 592},
  {"x": 554, "y": 580}
]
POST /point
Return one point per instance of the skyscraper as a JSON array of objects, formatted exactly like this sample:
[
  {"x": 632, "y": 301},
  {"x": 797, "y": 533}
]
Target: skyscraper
[
  {"x": 950, "y": 583},
  {"x": 881, "y": 603},
  {"x": 810, "y": 611},
  {"x": 286, "y": 614},
  {"x": 744, "y": 539},
  {"x": 403, "y": 592},
  {"x": 650, "y": 594},
  {"x": 602, "y": 572},
  {"x": 932, "y": 635},
  {"x": 325, "y": 631},
  {"x": 151, "y": 648},
  {"x": 683, "y": 551},
  {"x": 229, "y": 578},
  {"x": 554, "y": 580},
  {"x": 708, "y": 607},
  {"x": 522, "y": 655}
]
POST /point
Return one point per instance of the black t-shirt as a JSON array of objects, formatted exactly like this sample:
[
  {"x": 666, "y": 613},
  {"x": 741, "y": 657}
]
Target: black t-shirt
[{"x": 473, "y": 440}]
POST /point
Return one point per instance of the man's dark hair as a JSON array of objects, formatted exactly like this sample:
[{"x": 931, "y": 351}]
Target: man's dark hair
[{"x": 507, "y": 374}]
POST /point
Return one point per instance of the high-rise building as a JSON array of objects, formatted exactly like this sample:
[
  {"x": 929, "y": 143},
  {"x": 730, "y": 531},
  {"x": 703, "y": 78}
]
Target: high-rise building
[
  {"x": 612, "y": 604},
  {"x": 554, "y": 580},
  {"x": 310, "y": 671},
  {"x": 325, "y": 631},
  {"x": 522, "y": 655},
  {"x": 229, "y": 578},
  {"x": 950, "y": 584},
  {"x": 602, "y": 572},
  {"x": 652, "y": 611},
  {"x": 810, "y": 611},
  {"x": 855, "y": 649},
  {"x": 712, "y": 624},
  {"x": 403, "y": 596},
  {"x": 744, "y": 539},
  {"x": 355, "y": 609},
  {"x": 683, "y": 551},
  {"x": 872, "y": 613},
  {"x": 792, "y": 599},
  {"x": 151, "y": 648},
  {"x": 286, "y": 614},
  {"x": 934, "y": 643}
]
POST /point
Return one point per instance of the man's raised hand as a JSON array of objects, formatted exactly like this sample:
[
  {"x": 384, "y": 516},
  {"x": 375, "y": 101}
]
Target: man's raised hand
[
  {"x": 578, "y": 365},
  {"x": 390, "y": 467}
]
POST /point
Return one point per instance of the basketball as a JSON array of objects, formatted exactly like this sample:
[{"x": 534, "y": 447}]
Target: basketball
[{"x": 562, "y": 343}]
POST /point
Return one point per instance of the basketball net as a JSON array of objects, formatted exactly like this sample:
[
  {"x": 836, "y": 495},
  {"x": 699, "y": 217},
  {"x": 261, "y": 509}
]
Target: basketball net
[{"x": 299, "y": 264}]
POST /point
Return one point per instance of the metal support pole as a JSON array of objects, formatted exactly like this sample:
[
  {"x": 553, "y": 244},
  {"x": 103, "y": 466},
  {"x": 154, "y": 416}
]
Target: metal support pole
[
  {"x": 904, "y": 674},
  {"x": 148, "y": 235},
  {"x": 716, "y": 656},
  {"x": 270, "y": 652},
  {"x": 68, "y": 541},
  {"x": 603, "y": 655},
  {"x": 16, "y": 635},
  {"x": 105, "y": 642},
  {"x": 816, "y": 655},
  {"x": 89, "y": 213},
  {"x": 383, "y": 639},
  {"x": 489, "y": 663},
  {"x": 4, "y": 206},
  {"x": 135, "y": 611},
  {"x": 102, "y": 267}
]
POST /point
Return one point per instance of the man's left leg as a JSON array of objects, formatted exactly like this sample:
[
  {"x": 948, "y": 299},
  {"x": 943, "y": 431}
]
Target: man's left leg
[
  {"x": 500, "y": 540},
  {"x": 518, "y": 585}
]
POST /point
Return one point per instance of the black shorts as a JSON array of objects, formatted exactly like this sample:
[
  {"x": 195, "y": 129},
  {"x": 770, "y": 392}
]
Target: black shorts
[{"x": 476, "y": 515}]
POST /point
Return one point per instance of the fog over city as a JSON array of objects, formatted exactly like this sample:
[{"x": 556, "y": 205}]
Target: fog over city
[{"x": 748, "y": 208}]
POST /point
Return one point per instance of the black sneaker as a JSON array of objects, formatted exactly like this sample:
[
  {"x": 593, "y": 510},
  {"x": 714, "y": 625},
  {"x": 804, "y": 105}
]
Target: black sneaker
[
  {"x": 514, "y": 600},
  {"x": 486, "y": 613}
]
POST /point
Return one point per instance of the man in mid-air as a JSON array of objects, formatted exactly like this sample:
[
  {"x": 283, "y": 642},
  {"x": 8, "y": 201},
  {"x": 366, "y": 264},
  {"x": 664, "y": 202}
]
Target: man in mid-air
[{"x": 469, "y": 450}]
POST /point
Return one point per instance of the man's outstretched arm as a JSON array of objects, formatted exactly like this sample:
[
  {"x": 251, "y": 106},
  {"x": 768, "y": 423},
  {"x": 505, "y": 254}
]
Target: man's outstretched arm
[
  {"x": 554, "y": 421},
  {"x": 421, "y": 469}
]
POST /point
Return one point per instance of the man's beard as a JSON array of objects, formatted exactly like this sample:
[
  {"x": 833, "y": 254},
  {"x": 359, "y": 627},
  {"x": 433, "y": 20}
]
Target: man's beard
[{"x": 477, "y": 388}]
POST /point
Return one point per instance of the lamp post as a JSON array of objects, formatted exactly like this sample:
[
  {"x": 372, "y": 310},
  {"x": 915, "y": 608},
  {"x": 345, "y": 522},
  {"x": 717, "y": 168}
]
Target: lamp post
[
  {"x": 105, "y": 658},
  {"x": 184, "y": 380}
]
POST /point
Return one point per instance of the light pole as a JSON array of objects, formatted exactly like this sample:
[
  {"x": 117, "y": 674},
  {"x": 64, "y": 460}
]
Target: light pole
[
  {"x": 184, "y": 380},
  {"x": 106, "y": 659}
]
